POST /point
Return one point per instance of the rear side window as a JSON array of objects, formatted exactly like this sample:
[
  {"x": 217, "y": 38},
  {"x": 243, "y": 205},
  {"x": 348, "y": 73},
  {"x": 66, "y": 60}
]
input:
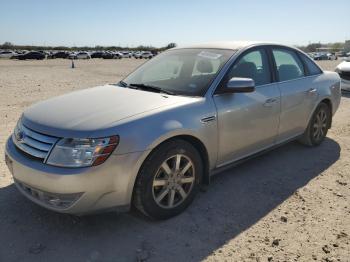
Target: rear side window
[
  {"x": 288, "y": 64},
  {"x": 312, "y": 68}
]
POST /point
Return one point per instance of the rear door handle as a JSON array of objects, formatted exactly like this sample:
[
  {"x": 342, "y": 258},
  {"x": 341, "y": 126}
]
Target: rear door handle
[{"x": 312, "y": 90}]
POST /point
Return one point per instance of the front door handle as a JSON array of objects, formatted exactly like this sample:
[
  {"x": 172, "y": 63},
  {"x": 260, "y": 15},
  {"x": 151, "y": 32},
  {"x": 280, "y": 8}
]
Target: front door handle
[{"x": 269, "y": 102}]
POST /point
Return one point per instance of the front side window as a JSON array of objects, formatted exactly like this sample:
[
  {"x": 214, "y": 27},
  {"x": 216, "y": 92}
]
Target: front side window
[
  {"x": 288, "y": 65},
  {"x": 181, "y": 71},
  {"x": 252, "y": 65}
]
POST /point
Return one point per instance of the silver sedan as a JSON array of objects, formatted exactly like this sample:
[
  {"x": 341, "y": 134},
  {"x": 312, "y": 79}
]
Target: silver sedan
[{"x": 154, "y": 138}]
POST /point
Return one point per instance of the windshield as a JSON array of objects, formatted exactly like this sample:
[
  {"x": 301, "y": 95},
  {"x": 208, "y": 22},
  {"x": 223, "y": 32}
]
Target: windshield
[{"x": 181, "y": 71}]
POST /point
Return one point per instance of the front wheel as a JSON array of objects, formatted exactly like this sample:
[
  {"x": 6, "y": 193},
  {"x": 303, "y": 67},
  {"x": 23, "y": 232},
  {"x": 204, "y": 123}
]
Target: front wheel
[
  {"x": 168, "y": 180},
  {"x": 318, "y": 127}
]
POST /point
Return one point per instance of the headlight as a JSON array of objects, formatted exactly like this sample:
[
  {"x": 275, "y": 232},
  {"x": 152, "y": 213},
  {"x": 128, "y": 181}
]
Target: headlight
[{"x": 72, "y": 152}]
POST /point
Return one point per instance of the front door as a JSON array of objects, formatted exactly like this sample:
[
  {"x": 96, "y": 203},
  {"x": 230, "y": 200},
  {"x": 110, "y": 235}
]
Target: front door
[{"x": 248, "y": 122}]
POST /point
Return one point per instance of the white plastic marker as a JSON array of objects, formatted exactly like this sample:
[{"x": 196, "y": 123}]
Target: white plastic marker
[{"x": 209, "y": 55}]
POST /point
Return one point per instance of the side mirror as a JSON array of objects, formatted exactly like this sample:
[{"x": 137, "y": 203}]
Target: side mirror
[{"x": 239, "y": 85}]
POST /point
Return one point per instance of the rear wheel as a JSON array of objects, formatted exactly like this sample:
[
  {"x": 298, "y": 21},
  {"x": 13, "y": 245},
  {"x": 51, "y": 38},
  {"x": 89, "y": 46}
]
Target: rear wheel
[
  {"x": 168, "y": 180},
  {"x": 318, "y": 126}
]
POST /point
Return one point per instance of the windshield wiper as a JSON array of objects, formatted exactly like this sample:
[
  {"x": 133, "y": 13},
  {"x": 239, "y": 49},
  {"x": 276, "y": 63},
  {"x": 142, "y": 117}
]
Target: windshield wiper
[
  {"x": 151, "y": 88},
  {"x": 123, "y": 84}
]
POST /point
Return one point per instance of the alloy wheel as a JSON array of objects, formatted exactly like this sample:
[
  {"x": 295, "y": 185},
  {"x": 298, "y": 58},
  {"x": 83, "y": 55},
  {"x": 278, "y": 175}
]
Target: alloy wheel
[
  {"x": 320, "y": 125},
  {"x": 173, "y": 181}
]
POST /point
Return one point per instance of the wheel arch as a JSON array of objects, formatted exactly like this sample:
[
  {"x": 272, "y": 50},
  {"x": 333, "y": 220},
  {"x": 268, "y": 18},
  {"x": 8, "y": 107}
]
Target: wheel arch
[
  {"x": 328, "y": 102},
  {"x": 203, "y": 152},
  {"x": 195, "y": 142}
]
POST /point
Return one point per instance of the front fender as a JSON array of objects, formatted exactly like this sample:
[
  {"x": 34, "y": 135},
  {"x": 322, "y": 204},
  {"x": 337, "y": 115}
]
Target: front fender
[
  {"x": 147, "y": 132},
  {"x": 146, "y": 136}
]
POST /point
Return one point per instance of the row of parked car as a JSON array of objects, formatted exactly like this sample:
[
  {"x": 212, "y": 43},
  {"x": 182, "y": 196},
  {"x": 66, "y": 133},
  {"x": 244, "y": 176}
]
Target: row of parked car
[
  {"x": 323, "y": 56},
  {"x": 328, "y": 56},
  {"x": 40, "y": 55}
]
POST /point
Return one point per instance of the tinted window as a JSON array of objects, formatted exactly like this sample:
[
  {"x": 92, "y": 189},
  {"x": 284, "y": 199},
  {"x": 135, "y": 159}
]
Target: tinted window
[
  {"x": 252, "y": 65},
  {"x": 288, "y": 65},
  {"x": 312, "y": 68}
]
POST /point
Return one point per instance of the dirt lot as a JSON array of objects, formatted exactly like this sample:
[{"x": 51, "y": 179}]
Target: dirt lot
[{"x": 292, "y": 204}]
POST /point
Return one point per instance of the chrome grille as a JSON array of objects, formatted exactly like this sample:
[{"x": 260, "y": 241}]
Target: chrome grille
[{"x": 33, "y": 143}]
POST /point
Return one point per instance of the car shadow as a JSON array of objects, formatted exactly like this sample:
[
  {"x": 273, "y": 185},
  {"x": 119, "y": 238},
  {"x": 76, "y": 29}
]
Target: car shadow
[{"x": 236, "y": 199}]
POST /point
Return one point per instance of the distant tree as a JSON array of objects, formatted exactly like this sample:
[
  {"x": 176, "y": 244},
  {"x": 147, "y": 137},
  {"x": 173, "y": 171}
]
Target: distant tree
[
  {"x": 171, "y": 45},
  {"x": 337, "y": 47},
  {"x": 7, "y": 45},
  {"x": 347, "y": 46},
  {"x": 59, "y": 48},
  {"x": 303, "y": 48},
  {"x": 312, "y": 47}
]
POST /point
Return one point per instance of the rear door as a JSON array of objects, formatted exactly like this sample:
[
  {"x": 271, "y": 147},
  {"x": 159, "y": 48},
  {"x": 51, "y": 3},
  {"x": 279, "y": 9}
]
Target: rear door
[
  {"x": 248, "y": 122},
  {"x": 298, "y": 92}
]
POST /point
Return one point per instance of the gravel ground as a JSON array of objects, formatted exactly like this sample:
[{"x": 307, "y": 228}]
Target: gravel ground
[{"x": 291, "y": 204}]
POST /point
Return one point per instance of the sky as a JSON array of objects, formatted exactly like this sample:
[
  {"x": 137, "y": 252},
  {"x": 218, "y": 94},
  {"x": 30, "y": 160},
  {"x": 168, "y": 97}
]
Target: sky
[{"x": 159, "y": 22}]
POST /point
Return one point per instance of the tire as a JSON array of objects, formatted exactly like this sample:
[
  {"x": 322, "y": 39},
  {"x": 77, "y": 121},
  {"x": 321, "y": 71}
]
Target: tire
[
  {"x": 318, "y": 126},
  {"x": 157, "y": 192}
]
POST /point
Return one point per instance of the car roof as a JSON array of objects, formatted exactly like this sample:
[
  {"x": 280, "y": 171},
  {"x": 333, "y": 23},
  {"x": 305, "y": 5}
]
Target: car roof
[{"x": 233, "y": 45}]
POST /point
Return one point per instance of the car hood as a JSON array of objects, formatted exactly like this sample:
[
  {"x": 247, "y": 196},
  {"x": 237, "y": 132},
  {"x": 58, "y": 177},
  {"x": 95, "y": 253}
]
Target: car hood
[
  {"x": 344, "y": 66},
  {"x": 84, "y": 113}
]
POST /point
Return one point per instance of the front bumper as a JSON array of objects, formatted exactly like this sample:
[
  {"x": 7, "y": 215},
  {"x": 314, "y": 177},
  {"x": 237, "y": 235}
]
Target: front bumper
[{"x": 75, "y": 190}]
